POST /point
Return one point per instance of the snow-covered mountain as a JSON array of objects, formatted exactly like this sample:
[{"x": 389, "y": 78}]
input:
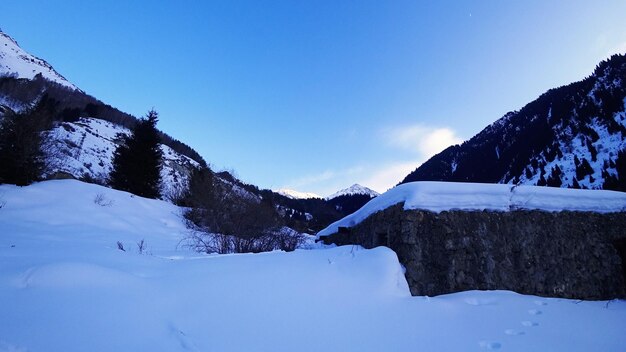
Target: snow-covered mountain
[
  {"x": 293, "y": 194},
  {"x": 85, "y": 131},
  {"x": 16, "y": 62},
  {"x": 573, "y": 136},
  {"x": 354, "y": 190}
]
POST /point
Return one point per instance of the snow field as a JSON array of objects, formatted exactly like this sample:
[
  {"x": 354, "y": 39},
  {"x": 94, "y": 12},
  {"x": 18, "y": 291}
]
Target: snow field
[{"x": 65, "y": 286}]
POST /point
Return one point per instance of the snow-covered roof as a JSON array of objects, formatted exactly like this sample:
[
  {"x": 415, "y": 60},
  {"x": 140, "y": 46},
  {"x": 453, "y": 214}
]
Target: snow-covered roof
[{"x": 443, "y": 196}]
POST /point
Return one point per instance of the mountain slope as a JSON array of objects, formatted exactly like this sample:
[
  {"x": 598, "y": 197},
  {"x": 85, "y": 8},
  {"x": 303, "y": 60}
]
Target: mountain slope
[
  {"x": 16, "y": 62},
  {"x": 84, "y": 137},
  {"x": 572, "y": 136},
  {"x": 84, "y": 149}
]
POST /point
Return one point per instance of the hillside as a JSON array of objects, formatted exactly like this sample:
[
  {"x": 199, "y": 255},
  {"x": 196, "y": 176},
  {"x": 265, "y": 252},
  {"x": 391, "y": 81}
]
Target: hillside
[
  {"x": 572, "y": 136},
  {"x": 84, "y": 135},
  {"x": 60, "y": 267}
]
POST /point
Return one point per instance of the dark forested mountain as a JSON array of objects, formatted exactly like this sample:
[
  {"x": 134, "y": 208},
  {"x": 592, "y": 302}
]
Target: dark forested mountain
[{"x": 571, "y": 136}]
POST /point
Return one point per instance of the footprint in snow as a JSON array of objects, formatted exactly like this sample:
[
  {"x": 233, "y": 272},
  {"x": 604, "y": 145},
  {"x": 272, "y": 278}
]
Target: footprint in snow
[
  {"x": 514, "y": 332},
  {"x": 535, "y": 312},
  {"x": 541, "y": 303},
  {"x": 182, "y": 338},
  {"x": 473, "y": 301},
  {"x": 529, "y": 323},
  {"x": 490, "y": 345}
]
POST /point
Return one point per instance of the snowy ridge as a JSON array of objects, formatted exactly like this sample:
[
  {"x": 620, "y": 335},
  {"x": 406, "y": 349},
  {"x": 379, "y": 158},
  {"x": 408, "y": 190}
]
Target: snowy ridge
[
  {"x": 71, "y": 289},
  {"x": 293, "y": 194},
  {"x": 354, "y": 189},
  {"x": 16, "y": 62},
  {"x": 444, "y": 196}
]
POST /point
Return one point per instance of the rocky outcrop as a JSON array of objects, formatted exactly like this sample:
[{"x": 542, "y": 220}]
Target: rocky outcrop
[{"x": 558, "y": 254}]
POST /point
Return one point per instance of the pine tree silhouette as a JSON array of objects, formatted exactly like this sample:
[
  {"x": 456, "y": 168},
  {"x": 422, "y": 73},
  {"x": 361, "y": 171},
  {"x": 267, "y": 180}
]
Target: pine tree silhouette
[
  {"x": 137, "y": 160},
  {"x": 22, "y": 160}
]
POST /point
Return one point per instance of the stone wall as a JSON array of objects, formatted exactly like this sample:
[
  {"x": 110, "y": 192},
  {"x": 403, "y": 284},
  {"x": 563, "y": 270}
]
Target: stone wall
[{"x": 564, "y": 254}]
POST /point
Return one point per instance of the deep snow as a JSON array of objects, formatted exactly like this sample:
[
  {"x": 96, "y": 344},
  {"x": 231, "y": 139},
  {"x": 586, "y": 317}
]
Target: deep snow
[
  {"x": 442, "y": 196},
  {"x": 64, "y": 286}
]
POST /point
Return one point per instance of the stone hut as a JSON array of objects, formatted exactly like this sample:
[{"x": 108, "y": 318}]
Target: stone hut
[{"x": 565, "y": 244}]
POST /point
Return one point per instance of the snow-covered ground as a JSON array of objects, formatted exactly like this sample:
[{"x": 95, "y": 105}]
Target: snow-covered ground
[
  {"x": 64, "y": 286},
  {"x": 442, "y": 196}
]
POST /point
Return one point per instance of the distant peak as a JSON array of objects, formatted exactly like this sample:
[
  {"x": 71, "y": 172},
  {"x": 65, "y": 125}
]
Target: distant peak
[
  {"x": 354, "y": 189},
  {"x": 293, "y": 194}
]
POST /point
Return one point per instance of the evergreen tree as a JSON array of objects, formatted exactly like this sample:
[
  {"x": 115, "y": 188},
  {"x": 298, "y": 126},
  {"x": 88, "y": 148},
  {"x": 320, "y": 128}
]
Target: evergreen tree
[
  {"x": 583, "y": 169},
  {"x": 22, "y": 160},
  {"x": 137, "y": 160},
  {"x": 555, "y": 177}
]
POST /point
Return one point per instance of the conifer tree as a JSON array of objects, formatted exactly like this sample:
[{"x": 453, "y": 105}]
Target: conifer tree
[
  {"x": 22, "y": 160},
  {"x": 137, "y": 160}
]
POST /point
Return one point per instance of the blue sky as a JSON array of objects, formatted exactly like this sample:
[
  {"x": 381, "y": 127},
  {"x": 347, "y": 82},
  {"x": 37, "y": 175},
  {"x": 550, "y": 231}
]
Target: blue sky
[{"x": 318, "y": 95}]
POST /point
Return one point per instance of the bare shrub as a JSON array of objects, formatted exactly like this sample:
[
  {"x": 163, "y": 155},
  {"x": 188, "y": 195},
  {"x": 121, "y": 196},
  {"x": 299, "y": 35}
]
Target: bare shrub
[
  {"x": 142, "y": 246},
  {"x": 101, "y": 200},
  {"x": 222, "y": 219},
  {"x": 285, "y": 239},
  {"x": 289, "y": 240}
]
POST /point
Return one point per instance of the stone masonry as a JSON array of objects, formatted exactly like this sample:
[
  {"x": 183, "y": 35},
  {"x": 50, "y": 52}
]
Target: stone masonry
[{"x": 557, "y": 254}]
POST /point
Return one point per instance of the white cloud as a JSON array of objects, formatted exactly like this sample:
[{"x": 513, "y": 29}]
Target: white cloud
[
  {"x": 418, "y": 143},
  {"x": 327, "y": 182},
  {"x": 311, "y": 180},
  {"x": 617, "y": 49},
  {"x": 389, "y": 175},
  {"x": 426, "y": 141}
]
